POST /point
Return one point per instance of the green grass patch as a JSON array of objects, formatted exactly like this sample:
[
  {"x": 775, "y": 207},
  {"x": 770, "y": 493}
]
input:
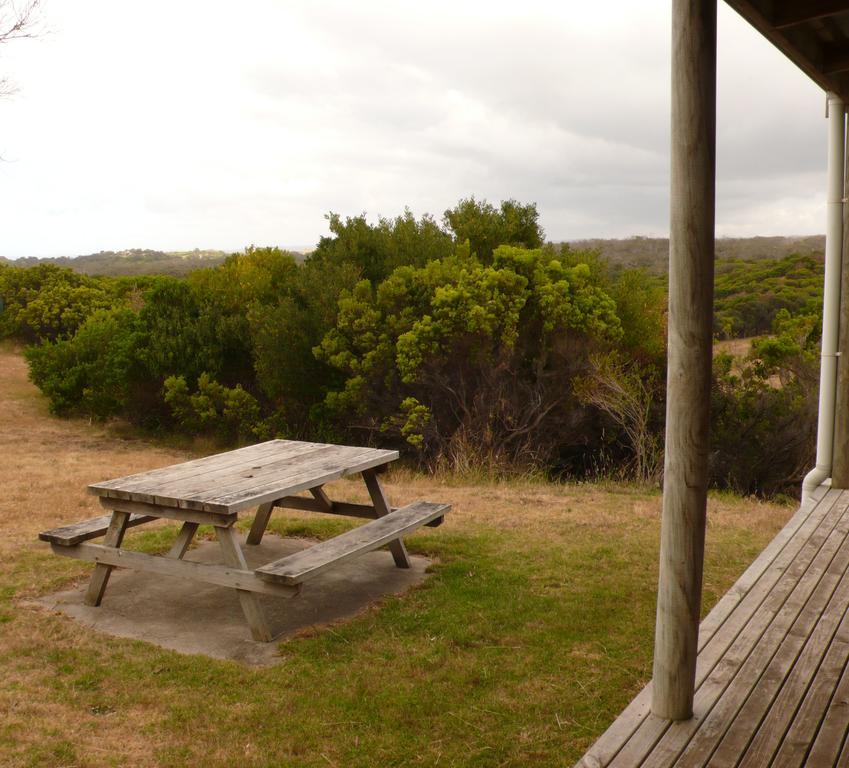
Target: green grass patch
[{"x": 518, "y": 651}]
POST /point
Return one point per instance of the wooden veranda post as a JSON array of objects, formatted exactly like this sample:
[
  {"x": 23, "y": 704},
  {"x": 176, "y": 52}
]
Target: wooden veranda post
[{"x": 691, "y": 256}]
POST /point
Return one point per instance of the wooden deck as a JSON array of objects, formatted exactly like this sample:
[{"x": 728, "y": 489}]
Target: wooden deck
[{"x": 772, "y": 681}]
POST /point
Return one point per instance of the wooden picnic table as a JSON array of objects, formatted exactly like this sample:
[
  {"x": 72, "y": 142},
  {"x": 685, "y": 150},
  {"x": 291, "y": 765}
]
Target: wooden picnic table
[{"x": 216, "y": 489}]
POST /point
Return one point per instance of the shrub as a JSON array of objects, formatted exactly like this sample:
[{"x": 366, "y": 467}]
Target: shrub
[{"x": 96, "y": 372}]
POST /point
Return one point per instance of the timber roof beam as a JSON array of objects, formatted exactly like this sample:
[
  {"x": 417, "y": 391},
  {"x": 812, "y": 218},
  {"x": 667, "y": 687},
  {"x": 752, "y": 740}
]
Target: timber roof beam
[
  {"x": 789, "y": 13},
  {"x": 814, "y": 34}
]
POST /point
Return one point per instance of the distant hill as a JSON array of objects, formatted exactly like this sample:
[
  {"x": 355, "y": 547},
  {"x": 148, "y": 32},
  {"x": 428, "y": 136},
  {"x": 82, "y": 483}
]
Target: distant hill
[
  {"x": 652, "y": 253},
  {"x": 135, "y": 261}
]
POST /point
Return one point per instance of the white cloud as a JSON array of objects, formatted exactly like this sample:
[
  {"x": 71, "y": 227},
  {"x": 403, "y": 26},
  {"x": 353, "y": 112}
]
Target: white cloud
[{"x": 209, "y": 124}]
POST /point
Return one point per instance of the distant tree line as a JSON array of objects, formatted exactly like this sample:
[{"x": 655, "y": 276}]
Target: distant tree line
[
  {"x": 134, "y": 261},
  {"x": 468, "y": 342}
]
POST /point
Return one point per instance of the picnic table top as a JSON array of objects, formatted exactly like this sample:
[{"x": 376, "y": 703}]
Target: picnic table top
[{"x": 229, "y": 482}]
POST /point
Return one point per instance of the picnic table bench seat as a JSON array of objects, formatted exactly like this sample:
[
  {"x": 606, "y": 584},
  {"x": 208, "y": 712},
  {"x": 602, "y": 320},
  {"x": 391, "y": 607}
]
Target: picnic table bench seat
[
  {"x": 70, "y": 535},
  {"x": 302, "y": 566}
]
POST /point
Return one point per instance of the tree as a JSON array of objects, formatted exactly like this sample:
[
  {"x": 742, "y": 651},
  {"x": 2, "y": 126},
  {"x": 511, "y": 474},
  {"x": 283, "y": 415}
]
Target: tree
[
  {"x": 486, "y": 227},
  {"x": 47, "y": 302},
  {"x": 17, "y": 21},
  {"x": 376, "y": 249},
  {"x": 764, "y": 409},
  {"x": 470, "y": 363},
  {"x": 96, "y": 373}
]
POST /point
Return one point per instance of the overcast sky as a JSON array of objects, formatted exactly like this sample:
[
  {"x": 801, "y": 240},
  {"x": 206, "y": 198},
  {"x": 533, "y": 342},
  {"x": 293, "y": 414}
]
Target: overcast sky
[{"x": 175, "y": 125}]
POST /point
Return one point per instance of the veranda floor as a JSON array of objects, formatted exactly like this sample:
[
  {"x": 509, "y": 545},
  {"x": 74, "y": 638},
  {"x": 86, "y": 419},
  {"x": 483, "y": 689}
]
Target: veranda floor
[{"x": 773, "y": 667}]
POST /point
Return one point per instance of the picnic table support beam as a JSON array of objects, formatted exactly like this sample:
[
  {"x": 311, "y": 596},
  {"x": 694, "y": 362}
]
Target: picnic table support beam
[
  {"x": 321, "y": 497},
  {"x": 251, "y": 606},
  {"x": 691, "y": 257},
  {"x": 260, "y": 523},
  {"x": 220, "y": 575},
  {"x": 183, "y": 541},
  {"x": 383, "y": 507},
  {"x": 100, "y": 577}
]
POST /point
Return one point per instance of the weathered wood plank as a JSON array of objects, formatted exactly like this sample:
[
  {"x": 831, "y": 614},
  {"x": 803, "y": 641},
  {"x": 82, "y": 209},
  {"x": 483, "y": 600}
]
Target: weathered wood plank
[
  {"x": 726, "y": 697},
  {"x": 260, "y": 523},
  {"x": 170, "y": 513},
  {"x": 301, "y": 473},
  {"x": 100, "y": 578},
  {"x": 188, "y": 468},
  {"x": 805, "y": 728},
  {"x": 168, "y": 491},
  {"x": 344, "y": 508},
  {"x": 745, "y": 624},
  {"x": 302, "y": 566},
  {"x": 843, "y": 760},
  {"x": 183, "y": 541},
  {"x": 246, "y": 475},
  {"x": 333, "y": 459},
  {"x": 783, "y": 686},
  {"x": 251, "y": 607},
  {"x": 223, "y": 576},
  {"x": 383, "y": 508},
  {"x": 68, "y": 535},
  {"x": 835, "y": 726},
  {"x": 771, "y": 561},
  {"x": 274, "y": 490},
  {"x": 780, "y": 550},
  {"x": 231, "y": 475},
  {"x": 322, "y": 499}
]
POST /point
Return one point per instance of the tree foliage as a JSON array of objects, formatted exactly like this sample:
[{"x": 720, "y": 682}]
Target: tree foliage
[
  {"x": 764, "y": 411},
  {"x": 469, "y": 363},
  {"x": 485, "y": 227},
  {"x": 467, "y": 344},
  {"x": 96, "y": 372},
  {"x": 749, "y": 294}
]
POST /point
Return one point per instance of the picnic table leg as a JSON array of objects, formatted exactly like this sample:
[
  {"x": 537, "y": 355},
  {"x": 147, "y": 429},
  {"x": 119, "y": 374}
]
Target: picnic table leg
[
  {"x": 183, "y": 540},
  {"x": 263, "y": 515},
  {"x": 100, "y": 577},
  {"x": 320, "y": 495},
  {"x": 383, "y": 507},
  {"x": 251, "y": 606}
]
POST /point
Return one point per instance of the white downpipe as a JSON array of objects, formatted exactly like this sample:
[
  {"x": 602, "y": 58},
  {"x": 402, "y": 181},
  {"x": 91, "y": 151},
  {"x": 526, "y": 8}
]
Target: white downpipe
[{"x": 831, "y": 298}]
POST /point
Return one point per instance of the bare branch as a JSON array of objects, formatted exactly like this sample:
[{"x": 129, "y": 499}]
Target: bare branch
[{"x": 18, "y": 21}]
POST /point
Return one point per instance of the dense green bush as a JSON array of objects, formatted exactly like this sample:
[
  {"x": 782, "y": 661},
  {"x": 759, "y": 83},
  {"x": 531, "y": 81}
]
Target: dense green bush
[
  {"x": 749, "y": 294},
  {"x": 46, "y": 302},
  {"x": 96, "y": 372},
  {"x": 467, "y": 343},
  {"x": 765, "y": 409},
  {"x": 228, "y": 413},
  {"x": 470, "y": 363}
]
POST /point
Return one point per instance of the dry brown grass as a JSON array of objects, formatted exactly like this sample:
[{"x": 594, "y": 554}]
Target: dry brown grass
[
  {"x": 736, "y": 347},
  {"x": 49, "y": 462},
  {"x": 57, "y": 674}
]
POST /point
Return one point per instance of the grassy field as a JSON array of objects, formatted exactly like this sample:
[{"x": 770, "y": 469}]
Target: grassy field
[{"x": 533, "y": 632}]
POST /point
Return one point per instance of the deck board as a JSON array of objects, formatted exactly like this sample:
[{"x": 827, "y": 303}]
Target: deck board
[{"x": 772, "y": 679}]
